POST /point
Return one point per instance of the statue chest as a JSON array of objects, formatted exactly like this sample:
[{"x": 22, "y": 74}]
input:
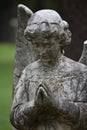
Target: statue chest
[{"x": 62, "y": 87}]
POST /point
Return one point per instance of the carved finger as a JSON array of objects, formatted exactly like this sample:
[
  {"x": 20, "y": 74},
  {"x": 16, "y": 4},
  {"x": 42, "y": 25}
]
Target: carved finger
[
  {"x": 41, "y": 93},
  {"x": 45, "y": 88}
]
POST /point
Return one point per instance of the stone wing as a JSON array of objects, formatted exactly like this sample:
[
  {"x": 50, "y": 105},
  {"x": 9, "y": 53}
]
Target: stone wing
[
  {"x": 83, "y": 58},
  {"x": 24, "y": 54}
]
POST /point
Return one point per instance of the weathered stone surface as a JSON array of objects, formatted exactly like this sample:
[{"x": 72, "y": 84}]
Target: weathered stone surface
[
  {"x": 24, "y": 54},
  {"x": 83, "y": 58},
  {"x": 51, "y": 93}
]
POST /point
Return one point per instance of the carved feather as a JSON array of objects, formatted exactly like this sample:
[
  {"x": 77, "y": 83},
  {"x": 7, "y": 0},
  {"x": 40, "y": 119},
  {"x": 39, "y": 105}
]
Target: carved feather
[
  {"x": 23, "y": 54},
  {"x": 83, "y": 58}
]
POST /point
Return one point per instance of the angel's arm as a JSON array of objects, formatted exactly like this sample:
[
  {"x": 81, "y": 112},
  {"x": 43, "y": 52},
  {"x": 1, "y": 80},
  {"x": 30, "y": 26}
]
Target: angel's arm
[
  {"x": 23, "y": 113},
  {"x": 74, "y": 113}
]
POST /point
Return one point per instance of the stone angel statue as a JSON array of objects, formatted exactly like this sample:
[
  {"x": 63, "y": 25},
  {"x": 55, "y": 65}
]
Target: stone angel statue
[{"x": 50, "y": 90}]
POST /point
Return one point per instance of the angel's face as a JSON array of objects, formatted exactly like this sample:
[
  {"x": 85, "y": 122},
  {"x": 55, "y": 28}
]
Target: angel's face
[
  {"x": 44, "y": 39},
  {"x": 47, "y": 36},
  {"x": 46, "y": 51}
]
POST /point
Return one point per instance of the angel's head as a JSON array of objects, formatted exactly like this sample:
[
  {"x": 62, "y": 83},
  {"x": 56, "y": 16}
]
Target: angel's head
[
  {"x": 46, "y": 28},
  {"x": 48, "y": 24}
]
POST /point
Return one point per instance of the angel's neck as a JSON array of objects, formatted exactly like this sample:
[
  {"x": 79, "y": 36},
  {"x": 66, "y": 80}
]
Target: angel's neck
[{"x": 50, "y": 62}]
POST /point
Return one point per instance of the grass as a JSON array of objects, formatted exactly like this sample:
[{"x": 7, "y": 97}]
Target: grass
[{"x": 7, "y": 52}]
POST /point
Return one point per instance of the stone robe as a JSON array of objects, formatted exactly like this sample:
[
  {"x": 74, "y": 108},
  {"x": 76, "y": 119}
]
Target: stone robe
[{"x": 67, "y": 81}]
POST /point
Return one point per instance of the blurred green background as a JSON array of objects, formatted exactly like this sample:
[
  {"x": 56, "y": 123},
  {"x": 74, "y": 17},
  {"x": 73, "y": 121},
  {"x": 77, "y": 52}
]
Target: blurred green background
[{"x": 7, "y": 52}]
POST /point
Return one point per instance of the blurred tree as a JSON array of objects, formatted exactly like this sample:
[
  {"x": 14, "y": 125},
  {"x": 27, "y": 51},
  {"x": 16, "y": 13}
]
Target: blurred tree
[{"x": 7, "y": 11}]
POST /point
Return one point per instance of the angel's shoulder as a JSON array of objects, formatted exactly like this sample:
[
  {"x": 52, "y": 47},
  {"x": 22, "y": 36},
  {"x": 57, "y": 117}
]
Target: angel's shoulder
[{"x": 29, "y": 69}]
